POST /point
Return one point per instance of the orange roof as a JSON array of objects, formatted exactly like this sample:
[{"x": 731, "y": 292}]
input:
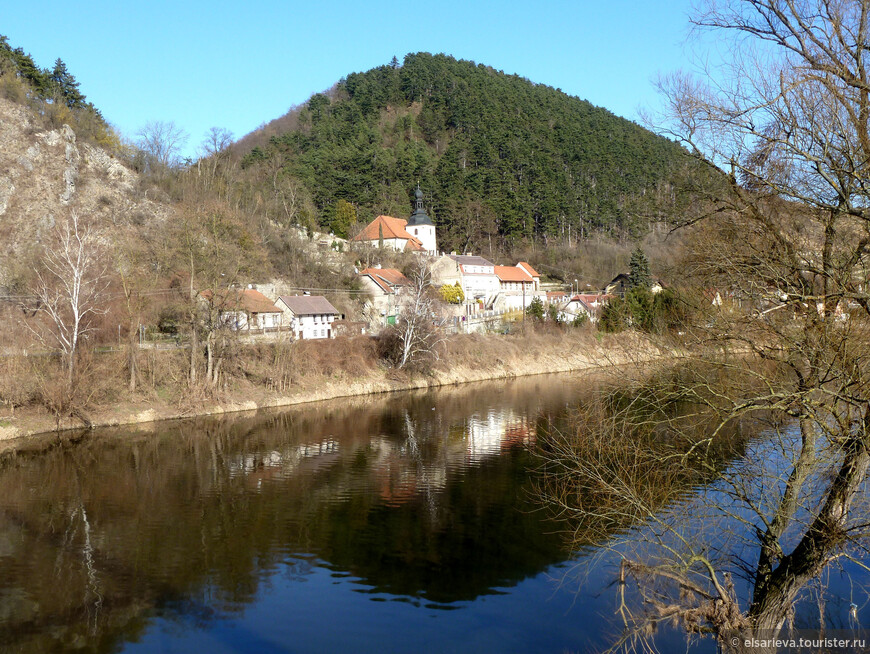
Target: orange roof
[
  {"x": 528, "y": 269},
  {"x": 388, "y": 227},
  {"x": 512, "y": 274},
  {"x": 387, "y": 278},
  {"x": 234, "y": 299}
]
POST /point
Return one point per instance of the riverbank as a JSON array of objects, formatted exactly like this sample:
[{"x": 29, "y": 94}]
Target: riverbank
[{"x": 468, "y": 358}]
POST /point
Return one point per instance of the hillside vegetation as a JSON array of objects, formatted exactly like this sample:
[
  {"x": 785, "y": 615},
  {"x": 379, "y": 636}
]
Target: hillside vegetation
[
  {"x": 53, "y": 93},
  {"x": 496, "y": 154}
]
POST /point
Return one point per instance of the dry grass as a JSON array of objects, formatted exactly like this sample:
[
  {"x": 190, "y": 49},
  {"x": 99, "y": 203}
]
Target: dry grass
[{"x": 267, "y": 370}]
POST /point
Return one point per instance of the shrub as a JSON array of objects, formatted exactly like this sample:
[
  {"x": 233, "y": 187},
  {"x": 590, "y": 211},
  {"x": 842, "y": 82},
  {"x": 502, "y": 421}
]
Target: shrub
[
  {"x": 535, "y": 310},
  {"x": 452, "y": 294}
]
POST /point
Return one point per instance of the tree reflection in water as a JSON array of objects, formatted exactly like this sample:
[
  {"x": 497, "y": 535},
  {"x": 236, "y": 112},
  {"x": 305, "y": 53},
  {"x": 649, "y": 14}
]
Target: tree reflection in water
[
  {"x": 733, "y": 502},
  {"x": 100, "y": 537}
]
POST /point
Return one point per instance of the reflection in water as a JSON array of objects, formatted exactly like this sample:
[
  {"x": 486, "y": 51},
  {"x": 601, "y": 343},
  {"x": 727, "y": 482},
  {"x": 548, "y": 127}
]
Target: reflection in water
[{"x": 422, "y": 499}]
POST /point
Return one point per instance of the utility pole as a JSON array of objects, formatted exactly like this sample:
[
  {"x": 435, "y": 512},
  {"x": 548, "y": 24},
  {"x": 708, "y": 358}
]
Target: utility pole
[{"x": 524, "y": 305}]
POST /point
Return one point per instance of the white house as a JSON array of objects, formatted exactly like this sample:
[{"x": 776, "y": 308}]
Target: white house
[
  {"x": 475, "y": 275},
  {"x": 516, "y": 287},
  {"x": 536, "y": 278},
  {"x": 590, "y": 304},
  {"x": 244, "y": 309},
  {"x": 308, "y": 316}
]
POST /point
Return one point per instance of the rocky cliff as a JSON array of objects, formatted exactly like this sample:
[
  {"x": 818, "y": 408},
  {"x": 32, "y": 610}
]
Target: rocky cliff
[{"x": 46, "y": 173}]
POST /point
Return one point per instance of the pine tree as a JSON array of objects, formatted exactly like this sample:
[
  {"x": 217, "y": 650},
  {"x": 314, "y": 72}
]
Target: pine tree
[
  {"x": 344, "y": 215},
  {"x": 639, "y": 270},
  {"x": 65, "y": 86}
]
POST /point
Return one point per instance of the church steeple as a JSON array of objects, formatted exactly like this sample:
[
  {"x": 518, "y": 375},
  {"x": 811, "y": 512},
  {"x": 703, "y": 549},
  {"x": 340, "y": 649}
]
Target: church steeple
[{"x": 419, "y": 217}]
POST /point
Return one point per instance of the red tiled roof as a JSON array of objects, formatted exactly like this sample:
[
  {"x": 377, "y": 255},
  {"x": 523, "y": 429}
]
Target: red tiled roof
[
  {"x": 386, "y": 278},
  {"x": 528, "y": 269},
  {"x": 389, "y": 227},
  {"x": 512, "y": 274},
  {"x": 236, "y": 299}
]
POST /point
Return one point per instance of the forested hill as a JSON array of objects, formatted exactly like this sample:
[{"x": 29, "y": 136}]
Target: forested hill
[{"x": 495, "y": 154}]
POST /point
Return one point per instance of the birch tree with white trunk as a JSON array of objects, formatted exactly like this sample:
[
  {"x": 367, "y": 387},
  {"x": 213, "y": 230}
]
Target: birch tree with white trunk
[{"x": 71, "y": 281}]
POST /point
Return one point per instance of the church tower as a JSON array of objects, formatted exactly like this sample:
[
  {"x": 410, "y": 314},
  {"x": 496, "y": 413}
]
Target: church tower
[{"x": 421, "y": 226}]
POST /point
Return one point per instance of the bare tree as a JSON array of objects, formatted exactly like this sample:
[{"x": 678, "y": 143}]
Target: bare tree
[
  {"x": 215, "y": 158},
  {"x": 215, "y": 250},
  {"x": 71, "y": 280},
  {"x": 162, "y": 142},
  {"x": 780, "y": 216},
  {"x": 413, "y": 342},
  {"x": 217, "y": 140}
]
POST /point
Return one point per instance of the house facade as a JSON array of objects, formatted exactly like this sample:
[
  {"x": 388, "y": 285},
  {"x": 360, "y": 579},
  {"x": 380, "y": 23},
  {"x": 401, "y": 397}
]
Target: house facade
[
  {"x": 474, "y": 274},
  {"x": 244, "y": 309},
  {"x": 388, "y": 290},
  {"x": 589, "y": 304},
  {"x": 531, "y": 272},
  {"x": 308, "y": 316},
  {"x": 516, "y": 287}
]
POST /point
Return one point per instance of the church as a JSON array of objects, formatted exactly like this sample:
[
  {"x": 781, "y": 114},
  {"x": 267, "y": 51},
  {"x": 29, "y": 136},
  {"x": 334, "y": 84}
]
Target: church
[{"x": 417, "y": 234}]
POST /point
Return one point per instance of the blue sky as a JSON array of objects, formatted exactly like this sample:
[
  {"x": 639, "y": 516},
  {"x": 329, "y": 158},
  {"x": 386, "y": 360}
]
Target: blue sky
[{"x": 237, "y": 65}]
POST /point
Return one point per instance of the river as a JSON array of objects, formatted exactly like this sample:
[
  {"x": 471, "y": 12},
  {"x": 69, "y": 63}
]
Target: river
[{"x": 399, "y": 523}]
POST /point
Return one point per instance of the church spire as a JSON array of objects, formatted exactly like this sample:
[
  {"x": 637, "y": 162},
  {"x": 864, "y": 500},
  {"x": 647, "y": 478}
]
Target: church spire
[{"x": 419, "y": 217}]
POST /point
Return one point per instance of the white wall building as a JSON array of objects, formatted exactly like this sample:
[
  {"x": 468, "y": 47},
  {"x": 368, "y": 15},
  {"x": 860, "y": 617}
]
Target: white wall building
[
  {"x": 417, "y": 234},
  {"x": 308, "y": 316},
  {"x": 475, "y": 275}
]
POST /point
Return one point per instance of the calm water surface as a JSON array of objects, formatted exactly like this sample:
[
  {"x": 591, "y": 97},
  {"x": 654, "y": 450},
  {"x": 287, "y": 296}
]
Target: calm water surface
[{"x": 399, "y": 524}]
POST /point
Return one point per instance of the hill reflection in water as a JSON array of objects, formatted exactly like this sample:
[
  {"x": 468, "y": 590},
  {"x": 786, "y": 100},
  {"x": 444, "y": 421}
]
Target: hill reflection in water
[{"x": 420, "y": 500}]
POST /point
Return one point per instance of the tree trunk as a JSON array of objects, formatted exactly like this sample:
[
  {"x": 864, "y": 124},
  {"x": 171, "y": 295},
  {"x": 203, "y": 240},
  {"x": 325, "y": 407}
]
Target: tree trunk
[
  {"x": 209, "y": 349},
  {"x": 132, "y": 354},
  {"x": 194, "y": 348}
]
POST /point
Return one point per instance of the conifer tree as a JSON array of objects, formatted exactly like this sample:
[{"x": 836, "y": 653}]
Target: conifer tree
[
  {"x": 639, "y": 270},
  {"x": 65, "y": 86}
]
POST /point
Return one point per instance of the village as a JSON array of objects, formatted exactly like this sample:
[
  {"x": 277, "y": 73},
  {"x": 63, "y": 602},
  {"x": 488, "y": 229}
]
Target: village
[{"x": 476, "y": 294}]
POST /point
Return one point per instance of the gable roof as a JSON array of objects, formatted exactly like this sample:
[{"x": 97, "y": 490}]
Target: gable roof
[
  {"x": 307, "y": 305},
  {"x": 386, "y": 278},
  {"x": 237, "y": 299},
  {"x": 512, "y": 274},
  {"x": 470, "y": 260},
  {"x": 525, "y": 266},
  {"x": 390, "y": 228}
]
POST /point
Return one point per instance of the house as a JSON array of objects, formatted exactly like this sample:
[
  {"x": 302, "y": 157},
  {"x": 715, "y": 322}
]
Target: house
[
  {"x": 417, "y": 234},
  {"x": 244, "y": 309},
  {"x": 619, "y": 285},
  {"x": 387, "y": 287},
  {"x": 590, "y": 304},
  {"x": 308, "y": 316},
  {"x": 536, "y": 278},
  {"x": 474, "y": 274},
  {"x": 516, "y": 286}
]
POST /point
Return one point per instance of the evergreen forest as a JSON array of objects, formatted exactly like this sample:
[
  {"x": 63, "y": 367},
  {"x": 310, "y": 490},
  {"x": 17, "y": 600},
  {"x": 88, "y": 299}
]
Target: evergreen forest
[
  {"x": 53, "y": 93},
  {"x": 498, "y": 156}
]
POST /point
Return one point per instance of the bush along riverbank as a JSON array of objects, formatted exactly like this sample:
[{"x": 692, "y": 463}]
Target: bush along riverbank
[{"x": 273, "y": 374}]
